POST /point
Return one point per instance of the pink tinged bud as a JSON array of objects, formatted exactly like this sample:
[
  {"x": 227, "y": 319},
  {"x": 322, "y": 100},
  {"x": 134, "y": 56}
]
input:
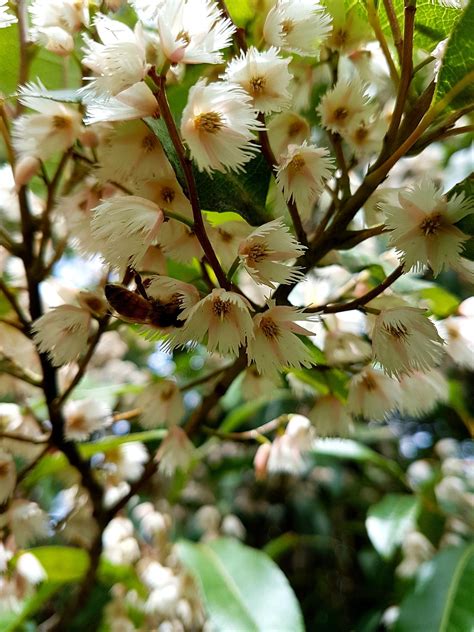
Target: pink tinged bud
[
  {"x": 260, "y": 461},
  {"x": 178, "y": 54},
  {"x": 25, "y": 169},
  {"x": 89, "y": 138}
]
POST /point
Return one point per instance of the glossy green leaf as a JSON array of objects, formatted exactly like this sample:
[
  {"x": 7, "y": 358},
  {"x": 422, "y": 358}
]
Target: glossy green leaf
[
  {"x": 62, "y": 563},
  {"x": 389, "y": 521},
  {"x": 433, "y": 22},
  {"x": 243, "y": 193},
  {"x": 440, "y": 302},
  {"x": 9, "y": 59},
  {"x": 442, "y": 599},
  {"x": 243, "y": 589},
  {"x": 352, "y": 450},
  {"x": 110, "y": 443},
  {"x": 458, "y": 60}
]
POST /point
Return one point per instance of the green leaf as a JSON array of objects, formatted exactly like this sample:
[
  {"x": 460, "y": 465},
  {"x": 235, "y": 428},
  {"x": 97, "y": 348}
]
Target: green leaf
[
  {"x": 244, "y": 591},
  {"x": 458, "y": 60},
  {"x": 240, "y": 414},
  {"x": 433, "y": 22},
  {"x": 389, "y": 521},
  {"x": 241, "y": 11},
  {"x": 442, "y": 598},
  {"x": 441, "y": 302},
  {"x": 349, "y": 449},
  {"x": 86, "y": 450},
  {"x": 244, "y": 193},
  {"x": 62, "y": 563},
  {"x": 9, "y": 59}
]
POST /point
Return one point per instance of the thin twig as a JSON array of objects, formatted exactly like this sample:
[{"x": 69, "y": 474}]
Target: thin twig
[
  {"x": 186, "y": 165},
  {"x": 395, "y": 28},
  {"x": 14, "y": 303},
  {"x": 362, "y": 300},
  {"x": 375, "y": 24},
  {"x": 249, "y": 435}
]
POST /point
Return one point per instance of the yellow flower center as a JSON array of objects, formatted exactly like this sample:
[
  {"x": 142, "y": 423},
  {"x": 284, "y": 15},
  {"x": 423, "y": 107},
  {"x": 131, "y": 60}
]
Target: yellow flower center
[
  {"x": 167, "y": 194},
  {"x": 341, "y": 113},
  {"x": 4, "y": 469},
  {"x": 269, "y": 327},
  {"x": 149, "y": 142},
  {"x": 297, "y": 163},
  {"x": 221, "y": 308},
  {"x": 257, "y": 84},
  {"x": 431, "y": 224},
  {"x": 396, "y": 331},
  {"x": 340, "y": 37},
  {"x": 167, "y": 394},
  {"x": 369, "y": 383},
  {"x": 256, "y": 253},
  {"x": 295, "y": 128},
  {"x": 210, "y": 122},
  {"x": 61, "y": 122},
  {"x": 184, "y": 35},
  {"x": 287, "y": 26},
  {"x": 361, "y": 134}
]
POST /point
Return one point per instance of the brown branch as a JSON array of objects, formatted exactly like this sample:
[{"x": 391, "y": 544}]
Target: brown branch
[
  {"x": 12, "y": 436},
  {"x": 83, "y": 363},
  {"x": 395, "y": 28},
  {"x": 405, "y": 79},
  {"x": 14, "y": 303},
  {"x": 379, "y": 34},
  {"x": 362, "y": 300},
  {"x": 272, "y": 162},
  {"x": 186, "y": 165},
  {"x": 25, "y": 375}
]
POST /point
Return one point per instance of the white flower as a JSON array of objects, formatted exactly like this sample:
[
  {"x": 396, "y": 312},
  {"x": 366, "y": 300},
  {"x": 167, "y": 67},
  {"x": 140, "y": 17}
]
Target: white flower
[
  {"x": 343, "y": 347},
  {"x": 85, "y": 416},
  {"x": 54, "y": 39},
  {"x": 62, "y": 333},
  {"x": 6, "y": 19},
  {"x": 299, "y": 27},
  {"x": 421, "y": 392},
  {"x": 179, "y": 242},
  {"x": 193, "y": 31},
  {"x": 422, "y": 225},
  {"x": 135, "y": 102},
  {"x": 53, "y": 129},
  {"x": 287, "y": 453},
  {"x": 264, "y": 75},
  {"x": 217, "y": 125},
  {"x": 69, "y": 15},
  {"x": 226, "y": 238},
  {"x": 223, "y": 317},
  {"x": 126, "y": 226},
  {"x": 175, "y": 453},
  {"x": 343, "y": 103},
  {"x": 331, "y": 417},
  {"x": 286, "y": 129},
  {"x": 264, "y": 250},
  {"x": 168, "y": 194},
  {"x": 459, "y": 334},
  {"x": 27, "y": 521},
  {"x": 119, "y": 61},
  {"x": 7, "y": 475},
  {"x": 372, "y": 394},
  {"x": 302, "y": 173},
  {"x": 30, "y": 568},
  {"x": 405, "y": 340},
  {"x": 365, "y": 134},
  {"x": 146, "y": 159},
  {"x": 255, "y": 385},
  {"x": 161, "y": 404},
  {"x": 275, "y": 345},
  {"x": 127, "y": 461},
  {"x": 350, "y": 28}
]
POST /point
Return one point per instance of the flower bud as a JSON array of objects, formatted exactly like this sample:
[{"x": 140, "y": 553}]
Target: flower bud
[{"x": 25, "y": 169}]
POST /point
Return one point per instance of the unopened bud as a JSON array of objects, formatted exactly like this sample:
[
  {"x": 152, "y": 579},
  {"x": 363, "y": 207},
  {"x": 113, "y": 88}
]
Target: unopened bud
[
  {"x": 89, "y": 138},
  {"x": 260, "y": 461},
  {"x": 25, "y": 169}
]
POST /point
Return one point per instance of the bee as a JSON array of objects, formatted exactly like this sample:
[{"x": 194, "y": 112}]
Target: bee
[{"x": 135, "y": 308}]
